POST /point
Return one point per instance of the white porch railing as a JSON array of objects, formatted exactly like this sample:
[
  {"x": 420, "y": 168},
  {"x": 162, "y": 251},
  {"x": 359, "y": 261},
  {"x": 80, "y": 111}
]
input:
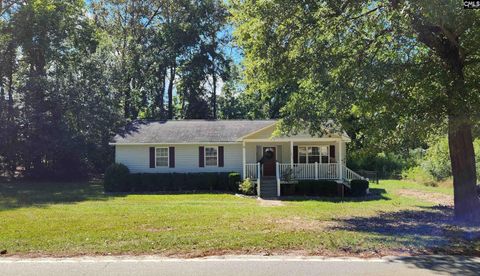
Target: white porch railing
[
  {"x": 304, "y": 171},
  {"x": 348, "y": 174},
  {"x": 328, "y": 171},
  {"x": 309, "y": 171},
  {"x": 251, "y": 171},
  {"x": 316, "y": 171}
]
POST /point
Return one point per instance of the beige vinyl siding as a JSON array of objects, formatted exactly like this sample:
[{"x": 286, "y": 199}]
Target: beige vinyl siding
[
  {"x": 251, "y": 151},
  {"x": 136, "y": 158}
]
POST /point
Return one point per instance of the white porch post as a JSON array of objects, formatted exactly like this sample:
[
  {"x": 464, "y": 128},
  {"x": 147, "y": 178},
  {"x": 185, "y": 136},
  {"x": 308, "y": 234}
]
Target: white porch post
[
  {"x": 340, "y": 159},
  {"x": 277, "y": 168},
  {"x": 291, "y": 155},
  {"x": 244, "y": 160},
  {"x": 316, "y": 170},
  {"x": 259, "y": 171}
]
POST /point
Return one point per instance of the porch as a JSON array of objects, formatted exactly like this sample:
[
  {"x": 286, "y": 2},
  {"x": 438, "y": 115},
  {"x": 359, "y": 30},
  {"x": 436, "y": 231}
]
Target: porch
[
  {"x": 317, "y": 171},
  {"x": 272, "y": 163}
]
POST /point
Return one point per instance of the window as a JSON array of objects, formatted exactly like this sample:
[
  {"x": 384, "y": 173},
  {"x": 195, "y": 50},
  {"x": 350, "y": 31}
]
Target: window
[
  {"x": 161, "y": 157},
  {"x": 211, "y": 156},
  {"x": 314, "y": 155},
  {"x": 311, "y": 155},
  {"x": 302, "y": 154},
  {"x": 325, "y": 154}
]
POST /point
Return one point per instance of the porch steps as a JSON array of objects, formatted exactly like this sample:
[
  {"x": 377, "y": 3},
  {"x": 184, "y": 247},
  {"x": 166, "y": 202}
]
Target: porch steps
[{"x": 268, "y": 188}]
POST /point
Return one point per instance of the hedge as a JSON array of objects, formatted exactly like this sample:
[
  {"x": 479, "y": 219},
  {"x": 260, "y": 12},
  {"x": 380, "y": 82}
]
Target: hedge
[
  {"x": 177, "y": 182},
  {"x": 359, "y": 187},
  {"x": 316, "y": 188},
  {"x": 117, "y": 178}
]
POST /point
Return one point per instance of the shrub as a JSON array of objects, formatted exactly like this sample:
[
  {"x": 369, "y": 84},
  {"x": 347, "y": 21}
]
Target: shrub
[
  {"x": 316, "y": 187},
  {"x": 418, "y": 174},
  {"x": 359, "y": 187},
  {"x": 247, "y": 187},
  {"x": 163, "y": 182},
  {"x": 387, "y": 165},
  {"x": 436, "y": 161},
  {"x": 117, "y": 178},
  {"x": 234, "y": 181}
]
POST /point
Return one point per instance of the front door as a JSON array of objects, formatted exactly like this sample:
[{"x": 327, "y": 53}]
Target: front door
[{"x": 269, "y": 161}]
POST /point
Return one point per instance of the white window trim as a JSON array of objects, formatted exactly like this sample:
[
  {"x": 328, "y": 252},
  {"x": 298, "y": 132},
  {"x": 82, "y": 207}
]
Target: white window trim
[
  {"x": 320, "y": 151},
  {"x": 205, "y": 156},
  {"x": 168, "y": 157}
]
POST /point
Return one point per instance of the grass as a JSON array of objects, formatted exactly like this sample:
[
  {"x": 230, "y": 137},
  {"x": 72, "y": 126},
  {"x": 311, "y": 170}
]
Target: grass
[{"x": 66, "y": 219}]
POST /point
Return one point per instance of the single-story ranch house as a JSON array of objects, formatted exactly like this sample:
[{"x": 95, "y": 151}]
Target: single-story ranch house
[{"x": 245, "y": 146}]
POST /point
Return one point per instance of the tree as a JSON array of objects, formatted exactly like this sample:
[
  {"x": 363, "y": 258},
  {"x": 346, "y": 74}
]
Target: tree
[
  {"x": 8, "y": 110},
  {"x": 404, "y": 68},
  {"x": 66, "y": 114}
]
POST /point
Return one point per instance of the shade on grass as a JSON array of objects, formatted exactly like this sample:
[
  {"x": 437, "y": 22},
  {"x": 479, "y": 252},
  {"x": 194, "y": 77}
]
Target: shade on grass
[{"x": 77, "y": 218}]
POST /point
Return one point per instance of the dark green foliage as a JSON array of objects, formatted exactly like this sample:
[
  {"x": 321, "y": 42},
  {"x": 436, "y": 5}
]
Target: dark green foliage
[
  {"x": 233, "y": 180},
  {"x": 316, "y": 188},
  {"x": 178, "y": 182},
  {"x": 117, "y": 178},
  {"x": 68, "y": 81},
  {"x": 287, "y": 189},
  {"x": 359, "y": 187},
  {"x": 391, "y": 73},
  {"x": 387, "y": 165}
]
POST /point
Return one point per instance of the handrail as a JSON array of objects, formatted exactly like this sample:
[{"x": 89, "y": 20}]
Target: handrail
[
  {"x": 351, "y": 175},
  {"x": 251, "y": 171}
]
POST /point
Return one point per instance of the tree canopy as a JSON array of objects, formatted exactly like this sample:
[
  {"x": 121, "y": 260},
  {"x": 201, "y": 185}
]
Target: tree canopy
[
  {"x": 73, "y": 72},
  {"x": 396, "y": 71}
]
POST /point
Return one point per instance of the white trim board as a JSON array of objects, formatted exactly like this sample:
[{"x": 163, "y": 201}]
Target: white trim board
[{"x": 176, "y": 143}]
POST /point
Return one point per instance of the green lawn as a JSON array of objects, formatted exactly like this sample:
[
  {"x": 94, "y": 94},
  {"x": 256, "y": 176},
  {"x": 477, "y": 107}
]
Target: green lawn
[{"x": 74, "y": 219}]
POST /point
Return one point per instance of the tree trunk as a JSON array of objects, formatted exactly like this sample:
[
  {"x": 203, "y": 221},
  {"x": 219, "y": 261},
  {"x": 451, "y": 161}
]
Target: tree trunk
[
  {"x": 460, "y": 143},
  {"x": 462, "y": 156},
  {"x": 127, "y": 103},
  {"x": 214, "y": 78},
  {"x": 170, "y": 92},
  {"x": 214, "y": 93},
  {"x": 161, "y": 74}
]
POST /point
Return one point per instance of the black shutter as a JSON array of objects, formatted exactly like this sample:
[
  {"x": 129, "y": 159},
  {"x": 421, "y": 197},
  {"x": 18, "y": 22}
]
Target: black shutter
[
  {"x": 295, "y": 154},
  {"x": 171, "y": 155},
  {"x": 152, "y": 157},
  {"x": 332, "y": 151},
  {"x": 201, "y": 157},
  {"x": 220, "y": 156}
]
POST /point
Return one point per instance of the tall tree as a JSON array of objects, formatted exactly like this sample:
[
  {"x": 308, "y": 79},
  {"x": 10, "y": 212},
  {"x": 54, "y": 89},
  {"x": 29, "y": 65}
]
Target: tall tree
[
  {"x": 8, "y": 110},
  {"x": 406, "y": 68},
  {"x": 65, "y": 106}
]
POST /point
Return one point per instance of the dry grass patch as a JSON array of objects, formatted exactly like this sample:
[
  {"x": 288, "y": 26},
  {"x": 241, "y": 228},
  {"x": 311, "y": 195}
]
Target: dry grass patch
[{"x": 437, "y": 198}]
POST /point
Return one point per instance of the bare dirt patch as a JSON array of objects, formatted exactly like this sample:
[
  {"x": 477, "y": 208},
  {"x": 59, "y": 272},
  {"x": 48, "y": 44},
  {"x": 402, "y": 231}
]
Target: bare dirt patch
[
  {"x": 270, "y": 202},
  {"x": 437, "y": 198},
  {"x": 303, "y": 224}
]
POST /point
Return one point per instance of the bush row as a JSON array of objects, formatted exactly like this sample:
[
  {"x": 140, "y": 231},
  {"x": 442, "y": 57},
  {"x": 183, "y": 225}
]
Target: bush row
[
  {"x": 118, "y": 179},
  {"x": 316, "y": 188},
  {"x": 325, "y": 188},
  {"x": 358, "y": 187}
]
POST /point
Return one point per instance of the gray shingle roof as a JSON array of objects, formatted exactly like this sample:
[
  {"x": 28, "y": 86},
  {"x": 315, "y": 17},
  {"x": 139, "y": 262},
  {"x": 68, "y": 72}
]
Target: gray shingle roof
[{"x": 189, "y": 131}]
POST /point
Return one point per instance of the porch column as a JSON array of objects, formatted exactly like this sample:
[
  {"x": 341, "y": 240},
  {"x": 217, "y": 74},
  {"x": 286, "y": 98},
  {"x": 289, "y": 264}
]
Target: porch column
[
  {"x": 340, "y": 159},
  {"x": 277, "y": 171},
  {"x": 291, "y": 155},
  {"x": 243, "y": 160}
]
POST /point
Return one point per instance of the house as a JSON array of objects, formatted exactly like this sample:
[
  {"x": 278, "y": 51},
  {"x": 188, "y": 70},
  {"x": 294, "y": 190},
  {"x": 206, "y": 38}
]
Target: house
[{"x": 245, "y": 146}]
